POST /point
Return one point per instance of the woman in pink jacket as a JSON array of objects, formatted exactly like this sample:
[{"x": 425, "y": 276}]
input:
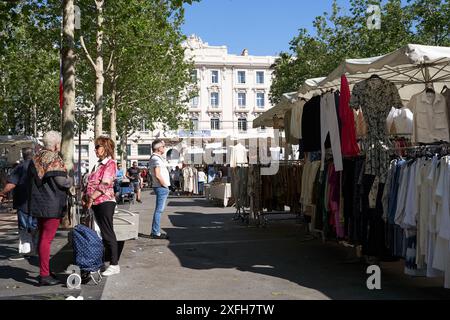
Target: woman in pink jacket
[{"x": 100, "y": 196}]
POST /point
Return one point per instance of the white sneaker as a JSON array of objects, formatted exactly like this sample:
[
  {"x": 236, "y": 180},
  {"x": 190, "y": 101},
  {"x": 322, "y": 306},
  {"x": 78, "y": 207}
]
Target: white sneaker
[{"x": 112, "y": 270}]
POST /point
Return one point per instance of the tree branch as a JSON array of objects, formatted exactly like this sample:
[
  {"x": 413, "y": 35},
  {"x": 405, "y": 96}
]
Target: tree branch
[
  {"x": 87, "y": 53},
  {"x": 110, "y": 62}
]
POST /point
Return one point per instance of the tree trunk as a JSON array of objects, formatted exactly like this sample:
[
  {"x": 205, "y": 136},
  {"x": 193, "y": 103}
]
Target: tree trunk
[
  {"x": 34, "y": 120},
  {"x": 99, "y": 71},
  {"x": 123, "y": 149},
  {"x": 68, "y": 61},
  {"x": 113, "y": 106}
]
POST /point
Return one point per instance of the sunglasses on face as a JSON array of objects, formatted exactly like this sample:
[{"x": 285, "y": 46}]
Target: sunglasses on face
[{"x": 97, "y": 147}]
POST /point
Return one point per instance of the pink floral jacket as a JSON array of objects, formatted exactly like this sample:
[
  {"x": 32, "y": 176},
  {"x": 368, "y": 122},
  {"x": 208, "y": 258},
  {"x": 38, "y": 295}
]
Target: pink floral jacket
[{"x": 105, "y": 171}]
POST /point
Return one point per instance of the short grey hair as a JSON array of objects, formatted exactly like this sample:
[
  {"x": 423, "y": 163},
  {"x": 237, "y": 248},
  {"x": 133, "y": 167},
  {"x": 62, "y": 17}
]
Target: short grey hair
[{"x": 51, "y": 139}]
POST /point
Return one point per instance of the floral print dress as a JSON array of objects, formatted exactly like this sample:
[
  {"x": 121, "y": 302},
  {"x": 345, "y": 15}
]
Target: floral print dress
[{"x": 376, "y": 97}]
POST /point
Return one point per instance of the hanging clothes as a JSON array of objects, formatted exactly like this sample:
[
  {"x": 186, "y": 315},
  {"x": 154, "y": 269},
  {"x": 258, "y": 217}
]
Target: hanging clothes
[
  {"x": 360, "y": 124},
  {"x": 430, "y": 117},
  {"x": 376, "y": 96},
  {"x": 296, "y": 119},
  {"x": 238, "y": 155},
  {"x": 349, "y": 144},
  {"x": 329, "y": 127},
  {"x": 400, "y": 121},
  {"x": 288, "y": 130},
  {"x": 311, "y": 125}
]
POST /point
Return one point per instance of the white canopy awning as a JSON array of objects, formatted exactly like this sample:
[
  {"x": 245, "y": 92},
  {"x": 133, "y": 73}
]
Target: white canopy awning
[
  {"x": 288, "y": 100},
  {"x": 411, "y": 66}
]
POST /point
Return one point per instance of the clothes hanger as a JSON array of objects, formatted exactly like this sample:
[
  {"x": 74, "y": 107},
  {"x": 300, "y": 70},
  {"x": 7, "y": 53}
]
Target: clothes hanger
[{"x": 430, "y": 90}]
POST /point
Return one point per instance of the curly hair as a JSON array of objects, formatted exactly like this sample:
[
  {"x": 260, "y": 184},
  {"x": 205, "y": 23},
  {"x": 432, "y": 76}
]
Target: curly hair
[{"x": 108, "y": 144}]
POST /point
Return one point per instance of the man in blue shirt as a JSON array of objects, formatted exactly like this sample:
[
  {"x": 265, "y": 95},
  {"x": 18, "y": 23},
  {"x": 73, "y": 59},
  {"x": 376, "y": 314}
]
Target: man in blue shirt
[
  {"x": 119, "y": 177},
  {"x": 16, "y": 182}
]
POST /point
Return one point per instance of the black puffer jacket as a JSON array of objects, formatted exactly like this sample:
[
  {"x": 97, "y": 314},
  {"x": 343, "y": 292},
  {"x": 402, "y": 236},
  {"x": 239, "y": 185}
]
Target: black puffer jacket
[{"x": 47, "y": 197}]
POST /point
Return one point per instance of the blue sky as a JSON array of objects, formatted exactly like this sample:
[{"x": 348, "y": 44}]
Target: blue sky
[{"x": 264, "y": 27}]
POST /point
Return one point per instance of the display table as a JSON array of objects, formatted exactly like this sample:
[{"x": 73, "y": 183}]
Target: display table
[{"x": 219, "y": 191}]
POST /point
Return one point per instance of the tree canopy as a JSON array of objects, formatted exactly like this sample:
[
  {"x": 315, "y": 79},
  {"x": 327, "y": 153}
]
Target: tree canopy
[
  {"x": 141, "y": 38},
  {"x": 340, "y": 35}
]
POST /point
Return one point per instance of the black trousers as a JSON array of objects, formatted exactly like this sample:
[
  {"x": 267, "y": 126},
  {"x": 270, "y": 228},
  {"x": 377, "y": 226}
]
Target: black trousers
[
  {"x": 373, "y": 225},
  {"x": 104, "y": 216}
]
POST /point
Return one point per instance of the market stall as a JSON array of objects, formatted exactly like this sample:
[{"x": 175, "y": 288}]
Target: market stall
[
  {"x": 219, "y": 191},
  {"x": 376, "y": 139}
]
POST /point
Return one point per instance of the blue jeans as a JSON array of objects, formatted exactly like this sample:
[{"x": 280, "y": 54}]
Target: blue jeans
[
  {"x": 161, "y": 198},
  {"x": 201, "y": 188},
  {"x": 26, "y": 221}
]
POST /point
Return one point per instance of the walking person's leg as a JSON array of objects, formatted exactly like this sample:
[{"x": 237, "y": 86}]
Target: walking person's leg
[
  {"x": 48, "y": 228},
  {"x": 104, "y": 216},
  {"x": 161, "y": 198}
]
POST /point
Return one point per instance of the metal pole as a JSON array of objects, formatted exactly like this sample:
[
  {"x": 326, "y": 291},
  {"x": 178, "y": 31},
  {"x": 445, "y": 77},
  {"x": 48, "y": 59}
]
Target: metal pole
[{"x": 79, "y": 151}]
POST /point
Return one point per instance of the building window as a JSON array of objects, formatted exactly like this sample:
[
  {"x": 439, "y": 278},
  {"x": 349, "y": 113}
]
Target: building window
[
  {"x": 194, "y": 75},
  {"x": 242, "y": 124},
  {"x": 242, "y": 99},
  {"x": 144, "y": 150},
  {"x": 194, "y": 124},
  {"x": 194, "y": 102},
  {"x": 84, "y": 151},
  {"x": 144, "y": 126},
  {"x": 129, "y": 149},
  {"x": 214, "y": 99},
  {"x": 241, "y": 77},
  {"x": 215, "y": 76},
  {"x": 260, "y": 100},
  {"x": 215, "y": 124},
  {"x": 260, "y": 77}
]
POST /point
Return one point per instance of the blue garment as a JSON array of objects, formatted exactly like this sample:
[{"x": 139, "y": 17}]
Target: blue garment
[
  {"x": 18, "y": 177},
  {"x": 392, "y": 208},
  {"x": 120, "y": 174},
  {"x": 161, "y": 198},
  {"x": 26, "y": 221},
  {"x": 201, "y": 188},
  {"x": 211, "y": 174}
]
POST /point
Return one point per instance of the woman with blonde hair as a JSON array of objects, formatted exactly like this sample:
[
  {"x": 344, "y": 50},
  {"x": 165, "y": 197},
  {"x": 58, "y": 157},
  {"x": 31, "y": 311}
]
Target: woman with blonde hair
[{"x": 100, "y": 196}]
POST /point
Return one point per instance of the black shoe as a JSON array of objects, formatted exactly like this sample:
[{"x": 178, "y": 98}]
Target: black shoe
[
  {"x": 48, "y": 281},
  {"x": 162, "y": 236},
  {"x": 140, "y": 201}
]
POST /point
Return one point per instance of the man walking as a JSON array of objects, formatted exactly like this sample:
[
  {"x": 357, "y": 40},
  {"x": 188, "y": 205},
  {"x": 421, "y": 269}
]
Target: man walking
[
  {"x": 16, "y": 182},
  {"x": 161, "y": 183}
]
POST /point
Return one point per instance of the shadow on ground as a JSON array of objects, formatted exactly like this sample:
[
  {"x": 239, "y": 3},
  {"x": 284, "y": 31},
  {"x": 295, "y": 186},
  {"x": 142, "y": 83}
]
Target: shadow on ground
[{"x": 284, "y": 250}]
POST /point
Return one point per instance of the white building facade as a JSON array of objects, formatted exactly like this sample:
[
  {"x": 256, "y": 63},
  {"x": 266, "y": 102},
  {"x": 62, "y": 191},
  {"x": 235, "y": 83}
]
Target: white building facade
[{"x": 233, "y": 91}]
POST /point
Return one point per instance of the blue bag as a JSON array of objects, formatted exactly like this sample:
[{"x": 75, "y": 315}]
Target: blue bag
[{"x": 88, "y": 249}]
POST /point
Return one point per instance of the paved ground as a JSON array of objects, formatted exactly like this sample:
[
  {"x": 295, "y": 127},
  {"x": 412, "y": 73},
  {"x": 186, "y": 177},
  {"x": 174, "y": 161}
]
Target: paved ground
[
  {"x": 210, "y": 256},
  {"x": 18, "y": 279}
]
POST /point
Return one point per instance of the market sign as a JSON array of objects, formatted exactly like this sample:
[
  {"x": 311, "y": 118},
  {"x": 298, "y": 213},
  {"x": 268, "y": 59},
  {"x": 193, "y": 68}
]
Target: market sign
[{"x": 198, "y": 133}]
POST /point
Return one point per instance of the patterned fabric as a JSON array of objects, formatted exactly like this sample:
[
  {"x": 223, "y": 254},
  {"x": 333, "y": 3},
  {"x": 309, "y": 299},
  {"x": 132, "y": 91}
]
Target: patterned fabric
[
  {"x": 102, "y": 179},
  {"x": 46, "y": 161},
  {"x": 376, "y": 96},
  {"x": 88, "y": 248}
]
